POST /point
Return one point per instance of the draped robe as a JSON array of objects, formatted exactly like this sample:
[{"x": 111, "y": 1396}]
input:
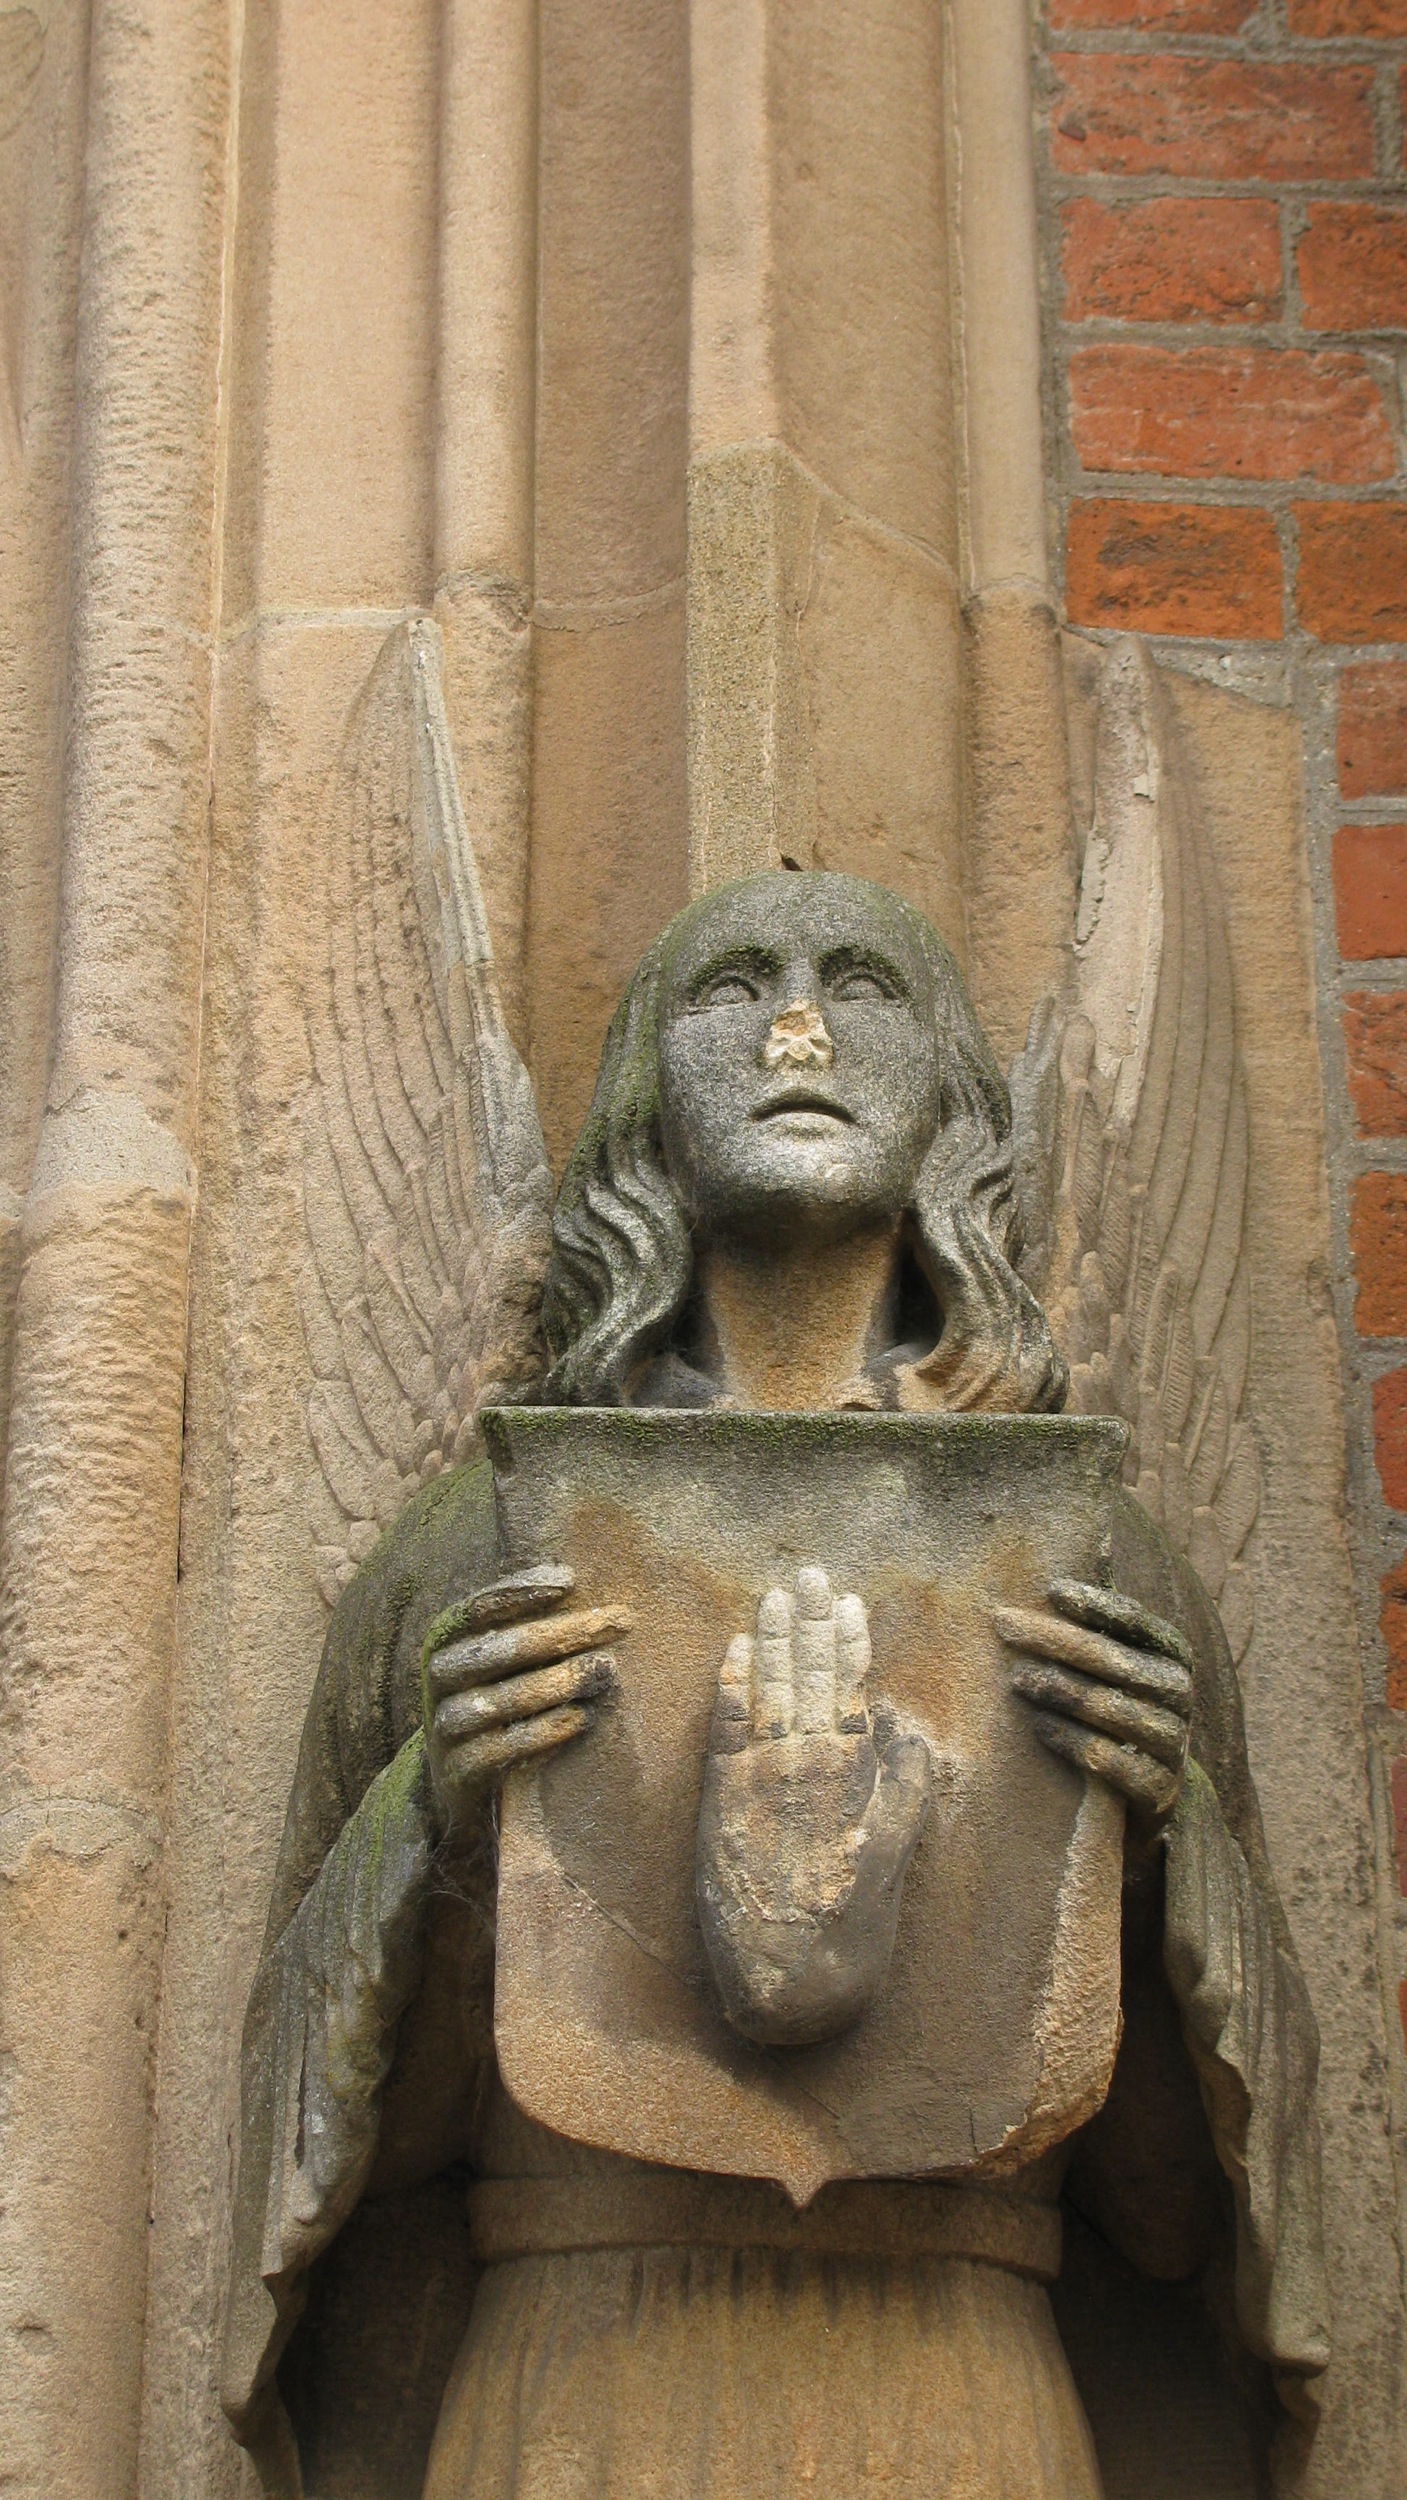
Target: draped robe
[{"x": 679, "y": 2370}]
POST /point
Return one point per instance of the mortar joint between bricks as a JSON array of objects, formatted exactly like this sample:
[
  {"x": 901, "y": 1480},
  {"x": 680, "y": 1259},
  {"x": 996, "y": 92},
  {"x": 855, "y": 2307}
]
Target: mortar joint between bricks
[
  {"x": 1294, "y": 222},
  {"x": 1130, "y": 43},
  {"x": 1387, "y": 124},
  {"x": 1258, "y": 43},
  {"x": 1266, "y": 30},
  {"x": 1220, "y": 493},
  {"x": 1367, "y": 1155},
  {"x": 1119, "y": 190},
  {"x": 1380, "y": 975},
  {"x": 1287, "y": 532},
  {"x": 1176, "y": 337}
]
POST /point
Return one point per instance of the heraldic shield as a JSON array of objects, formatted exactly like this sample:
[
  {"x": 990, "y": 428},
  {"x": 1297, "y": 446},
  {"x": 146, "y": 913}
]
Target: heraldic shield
[{"x": 994, "y": 2032}]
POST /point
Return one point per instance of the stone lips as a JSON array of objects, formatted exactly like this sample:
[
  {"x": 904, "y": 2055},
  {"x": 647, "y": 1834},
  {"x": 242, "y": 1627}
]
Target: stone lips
[{"x": 995, "y": 2032}]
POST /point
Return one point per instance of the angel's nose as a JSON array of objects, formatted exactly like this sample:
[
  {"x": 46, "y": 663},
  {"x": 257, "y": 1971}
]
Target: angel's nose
[{"x": 798, "y": 1038}]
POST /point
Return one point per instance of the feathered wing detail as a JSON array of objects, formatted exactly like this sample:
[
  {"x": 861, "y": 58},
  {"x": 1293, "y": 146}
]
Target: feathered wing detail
[
  {"x": 427, "y": 1191},
  {"x": 1142, "y": 1238}
]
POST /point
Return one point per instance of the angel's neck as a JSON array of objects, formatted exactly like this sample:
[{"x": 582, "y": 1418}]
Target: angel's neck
[{"x": 795, "y": 1327}]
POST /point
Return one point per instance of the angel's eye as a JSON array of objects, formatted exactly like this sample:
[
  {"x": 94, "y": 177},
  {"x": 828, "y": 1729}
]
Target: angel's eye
[
  {"x": 727, "y": 989},
  {"x": 861, "y": 981}
]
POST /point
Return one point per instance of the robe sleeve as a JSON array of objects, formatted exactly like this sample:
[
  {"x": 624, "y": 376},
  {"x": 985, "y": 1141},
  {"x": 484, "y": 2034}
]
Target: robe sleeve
[
  {"x": 1252, "y": 2038},
  {"x": 344, "y": 1947},
  {"x": 319, "y": 2038},
  {"x": 1238, "y": 1992}
]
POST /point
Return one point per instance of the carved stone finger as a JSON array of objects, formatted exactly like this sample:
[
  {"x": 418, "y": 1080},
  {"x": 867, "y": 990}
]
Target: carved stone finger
[
  {"x": 732, "y": 1711},
  {"x": 813, "y": 1652},
  {"x": 852, "y": 1664},
  {"x": 1093, "y": 1654},
  {"x": 1148, "y": 1787},
  {"x": 492, "y": 1655},
  {"x": 488, "y": 1756},
  {"x": 900, "y": 1797},
  {"x": 1108, "y": 1610},
  {"x": 524, "y": 1696},
  {"x": 503, "y": 1601},
  {"x": 1120, "y": 1715},
  {"x": 773, "y": 1700}
]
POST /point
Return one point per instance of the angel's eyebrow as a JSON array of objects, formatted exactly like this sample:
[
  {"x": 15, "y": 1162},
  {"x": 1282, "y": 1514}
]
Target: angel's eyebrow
[
  {"x": 843, "y": 959},
  {"x": 758, "y": 960}
]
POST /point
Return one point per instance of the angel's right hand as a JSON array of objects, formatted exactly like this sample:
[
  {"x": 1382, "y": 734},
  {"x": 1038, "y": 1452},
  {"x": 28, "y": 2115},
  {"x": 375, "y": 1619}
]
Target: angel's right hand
[{"x": 506, "y": 1678}]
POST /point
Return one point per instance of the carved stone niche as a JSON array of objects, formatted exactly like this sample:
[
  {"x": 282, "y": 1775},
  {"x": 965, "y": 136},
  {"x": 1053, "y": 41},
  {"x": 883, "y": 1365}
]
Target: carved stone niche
[{"x": 773, "y": 1861}]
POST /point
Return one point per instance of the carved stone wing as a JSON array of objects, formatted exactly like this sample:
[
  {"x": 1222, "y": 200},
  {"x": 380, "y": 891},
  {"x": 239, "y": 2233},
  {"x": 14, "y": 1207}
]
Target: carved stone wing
[
  {"x": 427, "y": 1191},
  {"x": 1145, "y": 1274}
]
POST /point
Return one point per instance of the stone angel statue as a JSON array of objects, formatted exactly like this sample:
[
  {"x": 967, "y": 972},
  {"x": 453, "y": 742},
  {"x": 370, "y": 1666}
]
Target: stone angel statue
[{"x": 800, "y": 1188}]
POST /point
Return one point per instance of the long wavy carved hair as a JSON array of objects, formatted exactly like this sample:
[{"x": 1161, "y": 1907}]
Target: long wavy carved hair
[{"x": 622, "y": 1257}]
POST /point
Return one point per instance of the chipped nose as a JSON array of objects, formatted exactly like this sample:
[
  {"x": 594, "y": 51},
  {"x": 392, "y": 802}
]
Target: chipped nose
[{"x": 798, "y": 1038}]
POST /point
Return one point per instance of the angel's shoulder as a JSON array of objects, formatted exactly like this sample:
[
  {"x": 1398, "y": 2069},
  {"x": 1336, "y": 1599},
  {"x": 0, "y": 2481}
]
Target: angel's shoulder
[
  {"x": 446, "y": 1529},
  {"x": 443, "y": 1546},
  {"x": 365, "y": 1701}
]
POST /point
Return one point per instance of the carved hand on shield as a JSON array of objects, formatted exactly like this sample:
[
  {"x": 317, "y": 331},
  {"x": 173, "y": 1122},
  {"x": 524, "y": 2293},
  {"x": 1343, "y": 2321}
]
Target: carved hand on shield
[
  {"x": 811, "y": 1808},
  {"x": 1111, "y": 1683}
]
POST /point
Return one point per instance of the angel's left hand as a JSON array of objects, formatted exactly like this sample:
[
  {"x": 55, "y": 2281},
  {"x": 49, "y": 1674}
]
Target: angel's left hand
[{"x": 1111, "y": 1685}]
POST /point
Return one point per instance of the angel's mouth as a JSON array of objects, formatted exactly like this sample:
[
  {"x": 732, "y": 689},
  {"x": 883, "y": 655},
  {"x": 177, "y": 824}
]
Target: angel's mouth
[{"x": 809, "y": 1106}]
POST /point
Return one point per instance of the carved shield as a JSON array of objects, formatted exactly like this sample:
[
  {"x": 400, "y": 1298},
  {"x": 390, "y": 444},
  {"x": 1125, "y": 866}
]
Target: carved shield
[{"x": 994, "y": 2033}]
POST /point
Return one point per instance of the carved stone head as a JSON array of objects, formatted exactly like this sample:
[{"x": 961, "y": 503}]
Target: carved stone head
[
  {"x": 799, "y": 1056},
  {"x": 795, "y": 1058}
]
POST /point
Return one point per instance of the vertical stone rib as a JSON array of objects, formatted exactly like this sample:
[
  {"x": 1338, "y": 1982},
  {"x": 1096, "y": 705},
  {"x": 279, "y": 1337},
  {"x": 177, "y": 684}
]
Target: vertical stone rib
[
  {"x": 750, "y": 799},
  {"x": 822, "y": 601},
  {"x": 609, "y": 834},
  {"x": 89, "y": 1539},
  {"x": 1018, "y": 851},
  {"x": 732, "y": 369},
  {"x": 484, "y": 440},
  {"x": 998, "y": 296}
]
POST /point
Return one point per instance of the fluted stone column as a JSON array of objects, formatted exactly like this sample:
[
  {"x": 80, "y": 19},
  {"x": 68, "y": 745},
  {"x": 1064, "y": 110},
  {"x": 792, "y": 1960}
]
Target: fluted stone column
[
  {"x": 92, "y": 1488},
  {"x": 1019, "y": 852},
  {"x": 484, "y": 447}
]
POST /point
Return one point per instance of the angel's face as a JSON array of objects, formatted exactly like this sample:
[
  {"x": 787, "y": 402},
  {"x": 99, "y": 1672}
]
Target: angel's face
[{"x": 799, "y": 1060}]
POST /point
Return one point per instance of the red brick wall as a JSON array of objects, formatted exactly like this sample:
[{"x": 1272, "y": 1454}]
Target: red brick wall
[{"x": 1224, "y": 200}]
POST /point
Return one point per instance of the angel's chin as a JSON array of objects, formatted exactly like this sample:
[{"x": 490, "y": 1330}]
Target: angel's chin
[{"x": 807, "y": 1190}]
